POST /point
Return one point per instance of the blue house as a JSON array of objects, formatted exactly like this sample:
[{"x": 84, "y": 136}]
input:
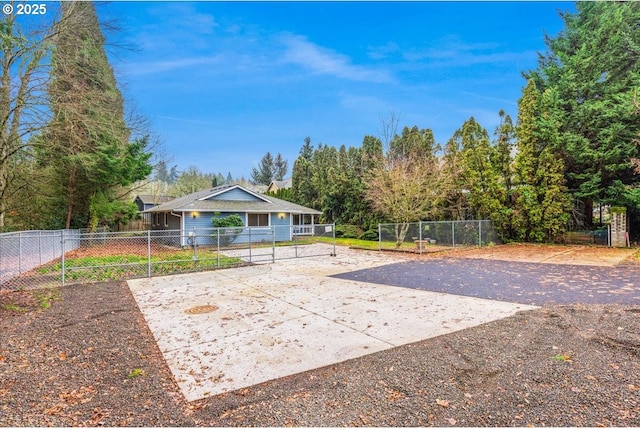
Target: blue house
[
  {"x": 196, "y": 211},
  {"x": 146, "y": 202}
]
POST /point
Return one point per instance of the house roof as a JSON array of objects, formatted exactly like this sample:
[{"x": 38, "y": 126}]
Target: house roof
[
  {"x": 201, "y": 201},
  {"x": 279, "y": 184},
  {"x": 154, "y": 199}
]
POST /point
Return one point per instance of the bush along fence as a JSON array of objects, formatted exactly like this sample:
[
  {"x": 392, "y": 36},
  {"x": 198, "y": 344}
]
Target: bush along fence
[
  {"x": 84, "y": 257},
  {"x": 429, "y": 236}
]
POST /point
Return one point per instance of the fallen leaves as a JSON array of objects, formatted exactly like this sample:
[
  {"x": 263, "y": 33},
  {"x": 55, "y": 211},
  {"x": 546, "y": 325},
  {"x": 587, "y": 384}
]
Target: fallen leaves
[
  {"x": 442, "y": 403},
  {"x": 394, "y": 395}
]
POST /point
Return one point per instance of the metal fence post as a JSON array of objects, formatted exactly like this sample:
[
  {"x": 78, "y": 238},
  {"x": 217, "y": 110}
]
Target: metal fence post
[
  {"x": 249, "y": 245},
  {"x": 420, "y": 237},
  {"x": 218, "y": 246},
  {"x": 148, "y": 254},
  {"x": 453, "y": 234},
  {"x": 379, "y": 237},
  {"x": 479, "y": 233},
  {"x": 62, "y": 254},
  {"x": 333, "y": 232},
  {"x": 40, "y": 246},
  {"x": 19, "y": 252},
  {"x": 273, "y": 244}
]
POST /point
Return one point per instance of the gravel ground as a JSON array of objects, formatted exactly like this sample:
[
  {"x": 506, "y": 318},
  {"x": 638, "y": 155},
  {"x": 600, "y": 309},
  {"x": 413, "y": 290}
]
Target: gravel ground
[{"x": 83, "y": 355}]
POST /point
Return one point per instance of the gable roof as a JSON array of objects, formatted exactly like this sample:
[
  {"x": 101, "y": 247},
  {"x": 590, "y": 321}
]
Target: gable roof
[
  {"x": 205, "y": 200},
  {"x": 279, "y": 184},
  {"x": 154, "y": 199}
]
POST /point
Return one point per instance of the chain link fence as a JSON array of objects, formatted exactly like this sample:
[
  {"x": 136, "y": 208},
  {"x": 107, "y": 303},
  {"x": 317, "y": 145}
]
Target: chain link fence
[
  {"x": 36, "y": 260},
  {"x": 429, "y": 236},
  {"x": 22, "y": 252}
]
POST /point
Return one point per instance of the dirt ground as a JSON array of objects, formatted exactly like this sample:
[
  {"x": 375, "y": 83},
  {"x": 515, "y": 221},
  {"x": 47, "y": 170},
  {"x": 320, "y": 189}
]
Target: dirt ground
[
  {"x": 554, "y": 254},
  {"x": 83, "y": 355}
]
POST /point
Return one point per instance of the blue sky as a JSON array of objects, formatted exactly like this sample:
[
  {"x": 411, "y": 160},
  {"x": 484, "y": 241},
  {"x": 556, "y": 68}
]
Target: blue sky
[{"x": 222, "y": 83}]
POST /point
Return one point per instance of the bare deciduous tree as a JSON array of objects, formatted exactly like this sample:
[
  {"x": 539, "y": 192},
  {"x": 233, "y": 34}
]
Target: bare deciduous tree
[
  {"x": 404, "y": 190},
  {"x": 23, "y": 80}
]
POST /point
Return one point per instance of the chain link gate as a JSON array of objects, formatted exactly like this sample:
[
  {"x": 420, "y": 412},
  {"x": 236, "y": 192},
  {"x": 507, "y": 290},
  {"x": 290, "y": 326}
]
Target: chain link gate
[{"x": 50, "y": 258}]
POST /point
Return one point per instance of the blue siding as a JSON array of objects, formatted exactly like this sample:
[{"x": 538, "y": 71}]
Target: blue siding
[
  {"x": 203, "y": 223},
  {"x": 207, "y": 237},
  {"x": 236, "y": 195},
  {"x": 282, "y": 225}
]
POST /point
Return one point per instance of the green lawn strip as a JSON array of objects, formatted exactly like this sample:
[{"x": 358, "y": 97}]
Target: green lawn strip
[
  {"x": 103, "y": 268},
  {"x": 364, "y": 244}
]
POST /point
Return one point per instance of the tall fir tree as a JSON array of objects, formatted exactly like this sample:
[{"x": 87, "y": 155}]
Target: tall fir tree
[
  {"x": 89, "y": 154},
  {"x": 263, "y": 173},
  {"x": 280, "y": 167},
  {"x": 593, "y": 67}
]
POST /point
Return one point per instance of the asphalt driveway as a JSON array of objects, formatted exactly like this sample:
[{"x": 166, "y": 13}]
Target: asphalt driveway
[{"x": 516, "y": 282}]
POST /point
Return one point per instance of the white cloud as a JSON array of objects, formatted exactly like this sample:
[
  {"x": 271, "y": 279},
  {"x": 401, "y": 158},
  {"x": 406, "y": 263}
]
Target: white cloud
[
  {"x": 450, "y": 51},
  {"x": 152, "y": 67},
  {"x": 320, "y": 60}
]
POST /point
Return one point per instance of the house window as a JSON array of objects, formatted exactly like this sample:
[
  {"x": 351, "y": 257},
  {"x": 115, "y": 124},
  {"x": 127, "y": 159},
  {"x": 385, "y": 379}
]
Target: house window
[{"x": 257, "y": 220}]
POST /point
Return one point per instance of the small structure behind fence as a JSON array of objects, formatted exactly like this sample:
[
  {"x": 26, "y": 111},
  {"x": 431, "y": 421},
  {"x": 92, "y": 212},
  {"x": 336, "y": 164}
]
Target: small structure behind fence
[
  {"x": 427, "y": 236},
  {"x": 38, "y": 259}
]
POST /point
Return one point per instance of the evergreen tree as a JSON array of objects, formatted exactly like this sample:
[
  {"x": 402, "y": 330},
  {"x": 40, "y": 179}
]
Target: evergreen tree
[
  {"x": 264, "y": 173},
  {"x": 453, "y": 202},
  {"x": 302, "y": 188},
  {"x": 593, "y": 67},
  {"x": 89, "y": 153},
  {"x": 307, "y": 149},
  {"x": 479, "y": 177},
  {"x": 280, "y": 167},
  {"x": 541, "y": 202}
]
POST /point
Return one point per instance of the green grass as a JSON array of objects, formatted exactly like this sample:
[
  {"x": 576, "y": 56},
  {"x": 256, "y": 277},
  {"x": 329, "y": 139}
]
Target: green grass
[
  {"x": 118, "y": 267},
  {"x": 135, "y": 373},
  {"x": 14, "y": 308},
  {"x": 361, "y": 243},
  {"x": 45, "y": 298}
]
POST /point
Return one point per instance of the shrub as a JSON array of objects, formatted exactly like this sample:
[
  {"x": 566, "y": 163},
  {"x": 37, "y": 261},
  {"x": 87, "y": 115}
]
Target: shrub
[
  {"x": 229, "y": 222},
  {"x": 370, "y": 235},
  {"x": 347, "y": 231}
]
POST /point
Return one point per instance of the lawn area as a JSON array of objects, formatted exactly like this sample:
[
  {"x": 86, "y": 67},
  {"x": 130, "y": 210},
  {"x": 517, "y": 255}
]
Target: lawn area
[
  {"x": 361, "y": 243},
  {"x": 124, "y": 266}
]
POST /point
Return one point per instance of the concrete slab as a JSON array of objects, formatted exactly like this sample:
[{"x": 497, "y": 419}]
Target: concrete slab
[{"x": 270, "y": 321}]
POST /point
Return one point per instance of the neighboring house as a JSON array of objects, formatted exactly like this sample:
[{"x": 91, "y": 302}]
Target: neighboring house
[
  {"x": 196, "y": 211},
  {"x": 275, "y": 185},
  {"x": 145, "y": 202}
]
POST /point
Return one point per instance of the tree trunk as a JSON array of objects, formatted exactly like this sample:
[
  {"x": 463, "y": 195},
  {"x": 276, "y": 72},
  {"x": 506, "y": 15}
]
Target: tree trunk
[{"x": 401, "y": 233}]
